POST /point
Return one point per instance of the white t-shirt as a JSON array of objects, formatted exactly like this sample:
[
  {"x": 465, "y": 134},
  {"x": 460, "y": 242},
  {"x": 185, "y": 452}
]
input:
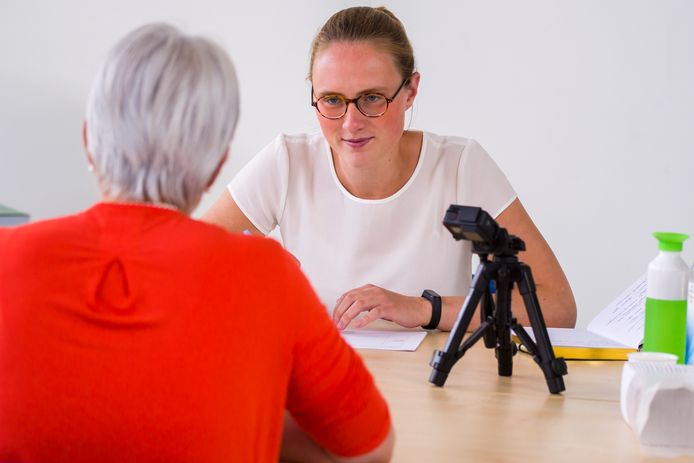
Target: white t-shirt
[{"x": 343, "y": 242}]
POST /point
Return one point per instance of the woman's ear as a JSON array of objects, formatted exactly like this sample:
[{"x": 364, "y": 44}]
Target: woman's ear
[{"x": 411, "y": 89}]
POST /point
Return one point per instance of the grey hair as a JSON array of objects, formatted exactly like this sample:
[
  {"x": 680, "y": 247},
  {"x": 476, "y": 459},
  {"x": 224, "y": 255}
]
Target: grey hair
[{"x": 160, "y": 116}]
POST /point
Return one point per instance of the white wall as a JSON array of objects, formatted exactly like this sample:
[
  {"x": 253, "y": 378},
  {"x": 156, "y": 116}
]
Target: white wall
[{"x": 588, "y": 105}]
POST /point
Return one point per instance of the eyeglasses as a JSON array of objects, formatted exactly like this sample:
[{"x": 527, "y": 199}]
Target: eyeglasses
[{"x": 334, "y": 106}]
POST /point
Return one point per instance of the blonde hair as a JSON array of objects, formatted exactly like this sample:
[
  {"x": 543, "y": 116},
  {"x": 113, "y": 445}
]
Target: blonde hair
[{"x": 378, "y": 26}]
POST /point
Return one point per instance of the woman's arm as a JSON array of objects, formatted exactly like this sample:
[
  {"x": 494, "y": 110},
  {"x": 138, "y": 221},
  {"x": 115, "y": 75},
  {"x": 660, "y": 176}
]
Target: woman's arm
[
  {"x": 298, "y": 446},
  {"x": 553, "y": 289},
  {"x": 227, "y": 214}
]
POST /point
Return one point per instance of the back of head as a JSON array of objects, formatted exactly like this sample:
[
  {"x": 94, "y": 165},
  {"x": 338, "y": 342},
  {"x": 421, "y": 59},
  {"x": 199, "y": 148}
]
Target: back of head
[
  {"x": 378, "y": 26},
  {"x": 160, "y": 116}
]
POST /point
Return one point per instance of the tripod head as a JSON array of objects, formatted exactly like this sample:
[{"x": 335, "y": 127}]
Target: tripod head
[{"x": 476, "y": 225}]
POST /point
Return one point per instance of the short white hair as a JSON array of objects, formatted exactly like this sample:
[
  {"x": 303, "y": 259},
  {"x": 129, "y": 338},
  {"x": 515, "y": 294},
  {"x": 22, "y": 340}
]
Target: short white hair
[{"x": 160, "y": 116}]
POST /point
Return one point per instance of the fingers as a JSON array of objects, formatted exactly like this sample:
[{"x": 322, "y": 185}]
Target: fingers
[
  {"x": 368, "y": 317},
  {"x": 357, "y": 307},
  {"x": 354, "y": 302},
  {"x": 345, "y": 301},
  {"x": 368, "y": 303}
]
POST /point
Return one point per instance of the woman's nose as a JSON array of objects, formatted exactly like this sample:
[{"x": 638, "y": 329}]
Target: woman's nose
[{"x": 353, "y": 119}]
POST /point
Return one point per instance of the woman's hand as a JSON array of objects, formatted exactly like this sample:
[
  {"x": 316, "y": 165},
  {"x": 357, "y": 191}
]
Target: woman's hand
[{"x": 376, "y": 302}]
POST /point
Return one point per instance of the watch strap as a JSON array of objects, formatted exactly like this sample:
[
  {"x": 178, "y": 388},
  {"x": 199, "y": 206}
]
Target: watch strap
[{"x": 435, "y": 300}]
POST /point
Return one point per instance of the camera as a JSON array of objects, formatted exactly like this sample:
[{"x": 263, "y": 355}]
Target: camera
[{"x": 476, "y": 225}]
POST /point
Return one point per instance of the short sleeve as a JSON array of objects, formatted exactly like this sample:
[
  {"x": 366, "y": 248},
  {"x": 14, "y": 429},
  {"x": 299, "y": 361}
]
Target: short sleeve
[
  {"x": 260, "y": 187},
  {"x": 481, "y": 183},
  {"x": 332, "y": 396}
]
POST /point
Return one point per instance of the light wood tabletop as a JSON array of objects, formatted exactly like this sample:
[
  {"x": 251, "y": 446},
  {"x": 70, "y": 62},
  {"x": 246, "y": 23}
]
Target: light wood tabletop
[{"x": 481, "y": 417}]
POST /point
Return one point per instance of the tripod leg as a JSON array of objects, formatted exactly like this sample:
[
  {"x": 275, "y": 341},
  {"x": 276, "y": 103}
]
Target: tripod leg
[
  {"x": 486, "y": 313},
  {"x": 552, "y": 367},
  {"x": 526, "y": 340},
  {"x": 481, "y": 331},
  {"x": 443, "y": 360},
  {"x": 505, "y": 349}
]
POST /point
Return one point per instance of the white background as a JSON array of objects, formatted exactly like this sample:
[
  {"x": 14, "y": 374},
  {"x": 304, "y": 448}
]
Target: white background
[{"x": 588, "y": 106}]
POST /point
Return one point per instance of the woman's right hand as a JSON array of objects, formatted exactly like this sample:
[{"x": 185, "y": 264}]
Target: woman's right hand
[{"x": 368, "y": 303}]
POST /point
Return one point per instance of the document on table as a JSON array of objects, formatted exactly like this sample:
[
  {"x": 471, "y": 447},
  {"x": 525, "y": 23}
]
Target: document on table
[
  {"x": 611, "y": 335},
  {"x": 623, "y": 319},
  {"x": 384, "y": 340}
]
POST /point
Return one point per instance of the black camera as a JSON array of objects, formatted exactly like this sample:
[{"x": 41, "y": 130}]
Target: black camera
[{"x": 476, "y": 225}]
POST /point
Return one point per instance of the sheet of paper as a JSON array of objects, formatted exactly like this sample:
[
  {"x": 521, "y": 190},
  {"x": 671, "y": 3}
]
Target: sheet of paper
[
  {"x": 622, "y": 320},
  {"x": 577, "y": 337},
  {"x": 384, "y": 340}
]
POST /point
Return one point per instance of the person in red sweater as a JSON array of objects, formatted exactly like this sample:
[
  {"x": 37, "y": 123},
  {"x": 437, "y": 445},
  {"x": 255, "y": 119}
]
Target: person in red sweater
[{"x": 131, "y": 332}]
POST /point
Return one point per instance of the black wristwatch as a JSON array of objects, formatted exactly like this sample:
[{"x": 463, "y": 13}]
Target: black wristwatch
[{"x": 435, "y": 300}]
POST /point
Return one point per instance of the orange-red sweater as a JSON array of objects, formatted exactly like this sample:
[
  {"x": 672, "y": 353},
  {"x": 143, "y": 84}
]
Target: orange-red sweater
[{"x": 134, "y": 333}]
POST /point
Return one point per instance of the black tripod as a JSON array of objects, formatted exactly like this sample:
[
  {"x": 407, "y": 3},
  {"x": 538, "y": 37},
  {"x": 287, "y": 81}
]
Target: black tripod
[{"x": 497, "y": 320}]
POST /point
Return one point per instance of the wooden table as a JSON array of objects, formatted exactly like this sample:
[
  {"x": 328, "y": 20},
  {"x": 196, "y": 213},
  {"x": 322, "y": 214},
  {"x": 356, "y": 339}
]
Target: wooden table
[{"x": 481, "y": 417}]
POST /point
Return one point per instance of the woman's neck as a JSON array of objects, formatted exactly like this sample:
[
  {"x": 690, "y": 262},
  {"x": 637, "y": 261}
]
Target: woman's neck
[{"x": 386, "y": 175}]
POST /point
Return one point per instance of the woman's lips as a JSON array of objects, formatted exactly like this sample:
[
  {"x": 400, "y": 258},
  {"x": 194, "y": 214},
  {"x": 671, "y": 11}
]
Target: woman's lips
[{"x": 356, "y": 142}]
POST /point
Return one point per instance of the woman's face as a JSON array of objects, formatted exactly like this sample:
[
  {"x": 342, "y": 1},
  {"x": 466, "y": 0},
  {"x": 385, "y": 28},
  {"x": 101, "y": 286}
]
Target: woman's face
[{"x": 351, "y": 69}]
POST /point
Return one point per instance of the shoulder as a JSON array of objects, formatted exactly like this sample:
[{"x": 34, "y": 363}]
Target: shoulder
[
  {"x": 308, "y": 140},
  {"x": 450, "y": 144},
  {"x": 34, "y": 241},
  {"x": 448, "y": 151},
  {"x": 296, "y": 155},
  {"x": 297, "y": 142},
  {"x": 251, "y": 261},
  {"x": 462, "y": 149},
  {"x": 251, "y": 248},
  {"x": 286, "y": 149},
  {"x": 41, "y": 229},
  {"x": 302, "y": 146}
]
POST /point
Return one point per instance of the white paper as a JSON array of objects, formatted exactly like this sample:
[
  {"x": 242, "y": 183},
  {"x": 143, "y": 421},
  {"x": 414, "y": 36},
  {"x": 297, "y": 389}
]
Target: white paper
[
  {"x": 384, "y": 340},
  {"x": 619, "y": 325},
  {"x": 623, "y": 319},
  {"x": 577, "y": 337}
]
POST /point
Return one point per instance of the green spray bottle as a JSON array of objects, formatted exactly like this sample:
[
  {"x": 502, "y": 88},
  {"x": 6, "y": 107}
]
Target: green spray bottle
[{"x": 665, "y": 328}]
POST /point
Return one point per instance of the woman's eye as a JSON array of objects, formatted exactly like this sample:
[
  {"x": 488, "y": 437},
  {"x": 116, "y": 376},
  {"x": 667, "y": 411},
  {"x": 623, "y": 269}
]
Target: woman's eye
[
  {"x": 373, "y": 98},
  {"x": 332, "y": 100}
]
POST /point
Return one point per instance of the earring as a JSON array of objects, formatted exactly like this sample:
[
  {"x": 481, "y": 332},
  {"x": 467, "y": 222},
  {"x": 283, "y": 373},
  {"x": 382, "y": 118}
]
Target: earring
[{"x": 90, "y": 168}]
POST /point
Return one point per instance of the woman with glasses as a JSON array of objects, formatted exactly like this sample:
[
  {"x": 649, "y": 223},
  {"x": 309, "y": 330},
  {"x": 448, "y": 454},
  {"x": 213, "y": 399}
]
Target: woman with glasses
[{"x": 360, "y": 204}]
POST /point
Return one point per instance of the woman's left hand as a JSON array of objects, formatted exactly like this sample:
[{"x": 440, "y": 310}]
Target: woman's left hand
[{"x": 377, "y": 302}]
